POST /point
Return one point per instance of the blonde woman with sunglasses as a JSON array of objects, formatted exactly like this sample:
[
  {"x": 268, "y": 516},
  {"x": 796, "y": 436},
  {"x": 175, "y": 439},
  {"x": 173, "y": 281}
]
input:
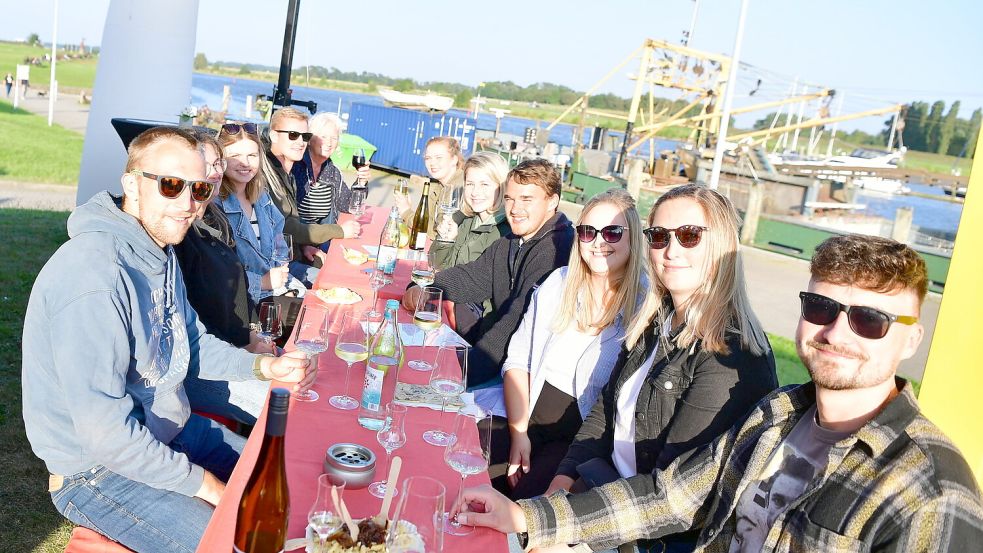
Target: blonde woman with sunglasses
[
  {"x": 563, "y": 352},
  {"x": 695, "y": 360}
]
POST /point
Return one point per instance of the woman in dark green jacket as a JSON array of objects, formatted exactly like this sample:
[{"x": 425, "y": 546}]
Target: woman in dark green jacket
[{"x": 479, "y": 223}]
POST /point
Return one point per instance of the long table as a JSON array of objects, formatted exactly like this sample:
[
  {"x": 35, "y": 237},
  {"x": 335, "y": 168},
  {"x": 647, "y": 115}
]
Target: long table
[{"x": 313, "y": 427}]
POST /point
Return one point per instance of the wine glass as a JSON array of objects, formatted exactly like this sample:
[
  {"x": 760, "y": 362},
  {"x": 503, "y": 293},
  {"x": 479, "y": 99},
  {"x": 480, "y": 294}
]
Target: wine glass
[
  {"x": 449, "y": 374},
  {"x": 270, "y": 323},
  {"x": 427, "y": 318},
  {"x": 415, "y": 525},
  {"x": 402, "y": 187},
  {"x": 283, "y": 249},
  {"x": 423, "y": 271},
  {"x": 311, "y": 337},
  {"x": 391, "y": 437},
  {"x": 377, "y": 280},
  {"x": 324, "y": 517},
  {"x": 467, "y": 454},
  {"x": 352, "y": 346},
  {"x": 356, "y": 202},
  {"x": 359, "y": 161}
]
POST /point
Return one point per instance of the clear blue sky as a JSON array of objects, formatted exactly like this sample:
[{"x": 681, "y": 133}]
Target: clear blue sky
[{"x": 892, "y": 50}]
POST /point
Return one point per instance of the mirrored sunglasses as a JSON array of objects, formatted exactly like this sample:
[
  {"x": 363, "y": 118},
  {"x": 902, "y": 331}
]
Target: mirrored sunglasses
[
  {"x": 171, "y": 187},
  {"x": 236, "y": 128},
  {"x": 866, "y": 322},
  {"x": 688, "y": 236},
  {"x": 611, "y": 234}
]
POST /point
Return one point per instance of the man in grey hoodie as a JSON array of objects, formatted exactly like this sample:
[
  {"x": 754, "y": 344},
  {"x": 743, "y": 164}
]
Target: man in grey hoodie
[{"x": 108, "y": 340}]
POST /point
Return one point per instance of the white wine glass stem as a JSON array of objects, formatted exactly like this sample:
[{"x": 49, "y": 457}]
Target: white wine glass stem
[
  {"x": 348, "y": 375},
  {"x": 460, "y": 496}
]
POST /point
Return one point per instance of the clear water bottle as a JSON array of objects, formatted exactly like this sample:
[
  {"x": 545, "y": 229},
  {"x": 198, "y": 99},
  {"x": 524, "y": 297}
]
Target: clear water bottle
[
  {"x": 385, "y": 355},
  {"x": 389, "y": 243}
]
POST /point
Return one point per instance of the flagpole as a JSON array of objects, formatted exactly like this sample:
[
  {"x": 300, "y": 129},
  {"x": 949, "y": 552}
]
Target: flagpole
[{"x": 53, "y": 85}]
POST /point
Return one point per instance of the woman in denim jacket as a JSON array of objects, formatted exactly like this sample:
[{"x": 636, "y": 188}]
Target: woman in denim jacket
[{"x": 255, "y": 221}]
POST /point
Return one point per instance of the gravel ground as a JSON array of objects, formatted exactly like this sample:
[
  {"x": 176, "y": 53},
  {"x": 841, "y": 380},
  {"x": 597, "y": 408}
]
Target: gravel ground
[{"x": 47, "y": 197}]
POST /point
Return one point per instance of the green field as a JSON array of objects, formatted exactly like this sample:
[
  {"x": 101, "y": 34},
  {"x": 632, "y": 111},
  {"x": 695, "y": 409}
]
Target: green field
[
  {"x": 28, "y": 519},
  {"x": 936, "y": 163},
  {"x": 71, "y": 74},
  {"x": 34, "y": 152}
]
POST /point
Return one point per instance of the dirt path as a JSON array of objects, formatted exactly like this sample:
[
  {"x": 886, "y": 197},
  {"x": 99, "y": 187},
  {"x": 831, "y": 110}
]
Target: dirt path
[{"x": 48, "y": 197}]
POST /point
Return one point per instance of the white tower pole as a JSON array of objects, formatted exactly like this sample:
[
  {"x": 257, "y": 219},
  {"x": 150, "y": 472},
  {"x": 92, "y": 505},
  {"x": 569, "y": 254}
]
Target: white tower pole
[{"x": 718, "y": 157}]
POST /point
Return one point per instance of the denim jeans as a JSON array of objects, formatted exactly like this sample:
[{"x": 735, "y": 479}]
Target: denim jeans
[
  {"x": 307, "y": 274},
  {"x": 144, "y": 518},
  {"x": 239, "y": 401}
]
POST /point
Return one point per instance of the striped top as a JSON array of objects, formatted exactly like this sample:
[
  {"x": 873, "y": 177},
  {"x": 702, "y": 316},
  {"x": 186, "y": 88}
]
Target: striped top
[
  {"x": 317, "y": 203},
  {"x": 897, "y": 484}
]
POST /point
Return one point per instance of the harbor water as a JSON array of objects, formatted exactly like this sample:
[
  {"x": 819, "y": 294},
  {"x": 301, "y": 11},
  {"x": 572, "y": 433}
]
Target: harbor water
[
  {"x": 207, "y": 90},
  {"x": 937, "y": 217}
]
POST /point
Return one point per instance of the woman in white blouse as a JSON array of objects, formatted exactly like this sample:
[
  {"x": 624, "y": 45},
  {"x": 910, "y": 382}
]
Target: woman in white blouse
[{"x": 562, "y": 354}]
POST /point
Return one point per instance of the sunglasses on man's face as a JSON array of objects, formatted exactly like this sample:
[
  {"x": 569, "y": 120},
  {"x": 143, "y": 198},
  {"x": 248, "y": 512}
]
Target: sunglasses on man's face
[
  {"x": 865, "y": 322},
  {"x": 611, "y": 234},
  {"x": 688, "y": 236},
  {"x": 171, "y": 187},
  {"x": 294, "y": 135},
  {"x": 236, "y": 128}
]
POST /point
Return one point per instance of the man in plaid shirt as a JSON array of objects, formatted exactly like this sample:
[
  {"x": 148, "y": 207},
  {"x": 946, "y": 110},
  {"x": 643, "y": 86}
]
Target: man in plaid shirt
[{"x": 846, "y": 462}]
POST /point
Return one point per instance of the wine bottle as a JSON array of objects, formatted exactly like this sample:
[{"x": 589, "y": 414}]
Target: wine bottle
[
  {"x": 385, "y": 353},
  {"x": 418, "y": 233},
  {"x": 389, "y": 243},
  {"x": 261, "y": 523}
]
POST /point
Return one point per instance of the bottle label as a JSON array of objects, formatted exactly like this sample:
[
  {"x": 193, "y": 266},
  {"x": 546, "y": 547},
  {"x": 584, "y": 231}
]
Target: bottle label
[
  {"x": 421, "y": 241},
  {"x": 372, "y": 390},
  {"x": 386, "y": 259}
]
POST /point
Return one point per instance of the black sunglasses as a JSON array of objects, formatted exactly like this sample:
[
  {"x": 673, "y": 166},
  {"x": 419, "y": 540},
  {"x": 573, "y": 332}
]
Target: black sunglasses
[
  {"x": 688, "y": 236},
  {"x": 294, "y": 135},
  {"x": 611, "y": 234},
  {"x": 866, "y": 322},
  {"x": 171, "y": 187},
  {"x": 236, "y": 128}
]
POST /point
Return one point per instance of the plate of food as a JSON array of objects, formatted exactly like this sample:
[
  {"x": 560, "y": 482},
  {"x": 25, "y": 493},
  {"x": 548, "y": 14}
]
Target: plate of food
[
  {"x": 338, "y": 295},
  {"x": 371, "y": 539},
  {"x": 354, "y": 256}
]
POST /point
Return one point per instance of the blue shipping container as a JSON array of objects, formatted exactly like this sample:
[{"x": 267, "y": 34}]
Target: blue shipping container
[{"x": 401, "y": 134}]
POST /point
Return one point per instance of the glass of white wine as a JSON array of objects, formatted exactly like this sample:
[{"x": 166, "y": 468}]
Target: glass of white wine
[
  {"x": 467, "y": 454},
  {"x": 423, "y": 271},
  {"x": 449, "y": 374},
  {"x": 351, "y": 347},
  {"x": 427, "y": 318},
  {"x": 324, "y": 518},
  {"x": 311, "y": 337}
]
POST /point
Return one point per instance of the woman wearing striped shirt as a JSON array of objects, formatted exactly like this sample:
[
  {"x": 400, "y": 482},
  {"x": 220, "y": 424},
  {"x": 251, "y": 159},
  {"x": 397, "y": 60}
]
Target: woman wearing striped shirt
[
  {"x": 569, "y": 340},
  {"x": 321, "y": 190}
]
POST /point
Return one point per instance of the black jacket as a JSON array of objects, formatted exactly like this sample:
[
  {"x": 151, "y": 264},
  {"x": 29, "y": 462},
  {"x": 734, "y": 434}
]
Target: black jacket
[
  {"x": 215, "y": 279},
  {"x": 303, "y": 234},
  {"x": 508, "y": 285},
  {"x": 689, "y": 397}
]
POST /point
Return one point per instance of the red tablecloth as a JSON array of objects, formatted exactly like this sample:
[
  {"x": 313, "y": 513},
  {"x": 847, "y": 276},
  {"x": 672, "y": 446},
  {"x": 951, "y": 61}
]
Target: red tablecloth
[{"x": 313, "y": 427}]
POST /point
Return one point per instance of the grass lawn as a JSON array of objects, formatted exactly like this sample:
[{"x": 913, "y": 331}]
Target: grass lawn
[
  {"x": 790, "y": 369},
  {"x": 79, "y": 73},
  {"x": 936, "y": 163},
  {"x": 27, "y": 516},
  {"x": 34, "y": 152}
]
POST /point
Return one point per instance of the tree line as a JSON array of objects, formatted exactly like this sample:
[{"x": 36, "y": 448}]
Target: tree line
[{"x": 926, "y": 129}]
